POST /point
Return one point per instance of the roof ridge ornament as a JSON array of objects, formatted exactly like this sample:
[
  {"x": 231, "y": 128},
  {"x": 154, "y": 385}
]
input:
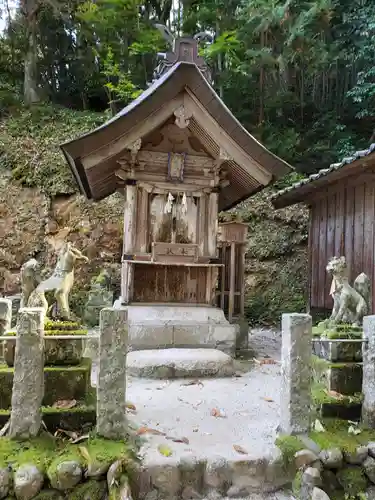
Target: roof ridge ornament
[{"x": 184, "y": 49}]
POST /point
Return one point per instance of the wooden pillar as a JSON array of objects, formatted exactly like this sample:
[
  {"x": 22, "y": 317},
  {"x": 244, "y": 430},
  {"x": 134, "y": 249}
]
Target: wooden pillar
[
  {"x": 223, "y": 276},
  {"x": 129, "y": 241},
  {"x": 232, "y": 277},
  {"x": 213, "y": 200},
  {"x": 242, "y": 277},
  {"x": 202, "y": 226},
  {"x": 142, "y": 219},
  {"x": 130, "y": 218}
]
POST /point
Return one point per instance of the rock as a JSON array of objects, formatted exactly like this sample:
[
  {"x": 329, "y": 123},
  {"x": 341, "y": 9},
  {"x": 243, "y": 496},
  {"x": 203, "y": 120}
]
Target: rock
[
  {"x": 371, "y": 449},
  {"x": 330, "y": 482},
  {"x": 65, "y": 475},
  {"x": 5, "y": 482},
  {"x": 304, "y": 458},
  {"x": 352, "y": 480},
  {"x": 370, "y": 494},
  {"x": 237, "y": 492},
  {"x": 369, "y": 468},
  {"x": 189, "y": 493},
  {"x": 152, "y": 495},
  {"x": 217, "y": 475},
  {"x": 332, "y": 458},
  {"x": 49, "y": 495},
  {"x": 356, "y": 457},
  {"x": 311, "y": 478},
  {"x": 28, "y": 481},
  {"x": 90, "y": 490},
  {"x": 166, "y": 479},
  {"x": 319, "y": 494},
  {"x": 310, "y": 444}
]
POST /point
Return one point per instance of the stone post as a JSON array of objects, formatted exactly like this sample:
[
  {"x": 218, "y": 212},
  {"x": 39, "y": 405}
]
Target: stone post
[
  {"x": 368, "y": 378},
  {"x": 28, "y": 379},
  {"x": 111, "y": 388},
  {"x": 295, "y": 404},
  {"x": 5, "y": 315}
]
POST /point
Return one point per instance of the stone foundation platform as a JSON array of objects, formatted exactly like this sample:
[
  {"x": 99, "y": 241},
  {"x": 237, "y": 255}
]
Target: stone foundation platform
[
  {"x": 164, "y": 326},
  {"x": 179, "y": 363}
]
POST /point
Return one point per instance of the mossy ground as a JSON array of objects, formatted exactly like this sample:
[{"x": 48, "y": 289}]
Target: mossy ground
[
  {"x": 46, "y": 451},
  {"x": 333, "y": 332},
  {"x": 336, "y": 435}
]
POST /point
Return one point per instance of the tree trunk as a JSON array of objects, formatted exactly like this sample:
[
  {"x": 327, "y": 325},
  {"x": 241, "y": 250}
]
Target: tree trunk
[{"x": 31, "y": 57}]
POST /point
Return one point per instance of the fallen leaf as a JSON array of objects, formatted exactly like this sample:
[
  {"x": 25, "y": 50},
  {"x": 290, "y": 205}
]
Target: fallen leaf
[
  {"x": 354, "y": 430},
  {"x": 334, "y": 394},
  {"x": 215, "y": 412},
  {"x": 164, "y": 450},
  {"x": 239, "y": 449},
  {"x": 318, "y": 427},
  {"x": 264, "y": 361},
  {"x": 81, "y": 438},
  {"x": 192, "y": 382},
  {"x": 178, "y": 440},
  {"x": 269, "y": 400},
  {"x": 130, "y": 406},
  {"x": 65, "y": 404},
  {"x": 147, "y": 430},
  {"x": 71, "y": 434}
]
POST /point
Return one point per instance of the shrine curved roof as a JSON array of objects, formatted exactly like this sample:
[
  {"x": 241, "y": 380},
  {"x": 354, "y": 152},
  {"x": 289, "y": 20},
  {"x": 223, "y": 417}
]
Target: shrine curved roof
[{"x": 100, "y": 181}]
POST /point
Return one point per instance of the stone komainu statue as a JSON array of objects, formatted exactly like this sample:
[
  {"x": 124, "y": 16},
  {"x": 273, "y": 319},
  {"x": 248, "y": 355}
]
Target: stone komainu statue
[
  {"x": 351, "y": 303},
  {"x": 61, "y": 281}
]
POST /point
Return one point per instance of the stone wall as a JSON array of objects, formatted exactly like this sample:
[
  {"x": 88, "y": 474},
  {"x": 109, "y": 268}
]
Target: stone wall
[{"x": 65, "y": 479}]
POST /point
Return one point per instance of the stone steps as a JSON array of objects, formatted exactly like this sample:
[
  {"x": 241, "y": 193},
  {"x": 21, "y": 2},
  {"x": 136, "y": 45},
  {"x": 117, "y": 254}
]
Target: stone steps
[{"x": 179, "y": 363}]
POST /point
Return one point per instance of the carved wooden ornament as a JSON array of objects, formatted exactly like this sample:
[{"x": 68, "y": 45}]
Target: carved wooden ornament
[
  {"x": 182, "y": 117},
  {"x": 176, "y": 163}
]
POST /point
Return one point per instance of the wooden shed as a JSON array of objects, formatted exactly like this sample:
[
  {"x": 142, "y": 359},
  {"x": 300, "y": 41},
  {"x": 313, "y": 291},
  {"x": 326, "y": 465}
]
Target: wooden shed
[{"x": 341, "y": 199}]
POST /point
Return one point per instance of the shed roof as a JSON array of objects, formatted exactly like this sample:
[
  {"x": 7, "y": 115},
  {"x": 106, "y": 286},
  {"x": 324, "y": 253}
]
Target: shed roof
[
  {"x": 297, "y": 192},
  {"x": 106, "y": 144}
]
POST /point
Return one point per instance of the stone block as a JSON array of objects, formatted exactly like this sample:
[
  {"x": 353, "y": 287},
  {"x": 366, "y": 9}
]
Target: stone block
[
  {"x": 28, "y": 380},
  {"x": 296, "y": 370},
  {"x": 61, "y": 383},
  {"x": 150, "y": 336},
  {"x": 220, "y": 333},
  {"x": 338, "y": 351},
  {"x": 368, "y": 385},
  {"x": 5, "y": 315},
  {"x": 111, "y": 389},
  {"x": 191, "y": 335},
  {"x": 345, "y": 378}
]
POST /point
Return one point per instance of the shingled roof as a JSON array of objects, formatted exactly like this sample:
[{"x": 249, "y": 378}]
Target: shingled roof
[
  {"x": 297, "y": 192},
  {"x": 93, "y": 157}
]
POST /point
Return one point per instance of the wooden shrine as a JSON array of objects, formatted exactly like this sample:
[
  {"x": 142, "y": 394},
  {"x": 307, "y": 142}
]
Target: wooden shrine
[{"x": 178, "y": 156}]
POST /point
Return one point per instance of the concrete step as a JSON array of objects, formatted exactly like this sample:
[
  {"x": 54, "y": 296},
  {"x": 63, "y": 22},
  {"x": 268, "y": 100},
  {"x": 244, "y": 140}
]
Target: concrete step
[{"x": 179, "y": 363}]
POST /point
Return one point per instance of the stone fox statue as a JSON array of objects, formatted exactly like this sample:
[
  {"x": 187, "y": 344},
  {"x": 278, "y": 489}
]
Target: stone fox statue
[
  {"x": 351, "y": 304},
  {"x": 61, "y": 282}
]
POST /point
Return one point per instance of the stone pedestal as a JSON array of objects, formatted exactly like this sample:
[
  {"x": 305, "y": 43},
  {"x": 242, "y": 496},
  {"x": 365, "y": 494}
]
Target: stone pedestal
[
  {"x": 368, "y": 384},
  {"x": 163, "y": 326},
  {"x": 295, "y": 402},
  {"x": 111, "y": 388},
  {"x": 28, "y": 381}
]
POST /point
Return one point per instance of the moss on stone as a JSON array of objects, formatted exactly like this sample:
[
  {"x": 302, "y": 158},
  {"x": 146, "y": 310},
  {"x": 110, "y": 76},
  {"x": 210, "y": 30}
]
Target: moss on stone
[
  {"x": 352, "y": 480},
  {"x": 90, "y": 490},
  {"x": 336, "y": 435},
  {"x": 68, "y": 382},
  {"x": 47, "y": 452},
  {"x": 328, "y": 331},
  {"x": 49, "y": 495},
  {"x": 289, "y": 446},
  {"x": 321, "y": 396},
  {"x": 296, "y": 485}
]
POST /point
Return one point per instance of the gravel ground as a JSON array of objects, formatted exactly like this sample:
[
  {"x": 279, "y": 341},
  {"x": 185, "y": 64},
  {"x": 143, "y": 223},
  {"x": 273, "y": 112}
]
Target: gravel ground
[{"x": 213, "y": 417}]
